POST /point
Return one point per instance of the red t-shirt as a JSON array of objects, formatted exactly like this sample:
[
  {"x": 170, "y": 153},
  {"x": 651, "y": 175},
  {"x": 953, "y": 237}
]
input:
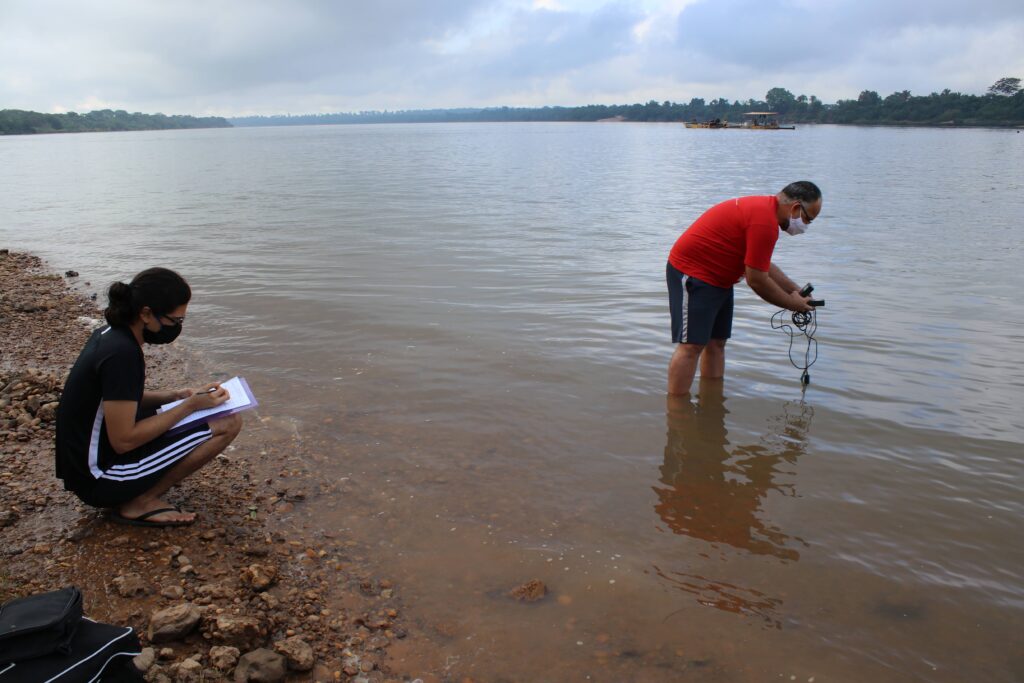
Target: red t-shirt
[{"x": 728, "y": 237}]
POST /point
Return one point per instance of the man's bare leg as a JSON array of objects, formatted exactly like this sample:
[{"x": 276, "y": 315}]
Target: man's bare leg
[
  {"x": 224, "y": 432},
  {"x": 712, "y": 361},
  {"x": 683, "y": 367}
]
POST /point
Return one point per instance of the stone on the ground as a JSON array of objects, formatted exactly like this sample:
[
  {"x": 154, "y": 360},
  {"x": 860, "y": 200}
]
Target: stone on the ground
[
  {"x": 260, "y": 666},
  {"x": 241, "y": 631},
  {"x": 224, "y": 657},
  {"x": 7, "y": 518},
  {"x": 173, "y": 623},
  {"x": 214, "y": 591},
  {"x": 173, "y": 592},
  {"x": 189, "y": 671},
  {"x": 130, "y": 585},
  {"x": 531, "y": 591},
  {"x": 297, "y": 653},
  {"x": 376, "y": 622},
  {"x": 156, "y": 675},
  {"x": 145, "y": 659},
  {"x": 377, "y": 643},
  {"x": 259, "y": 577}
]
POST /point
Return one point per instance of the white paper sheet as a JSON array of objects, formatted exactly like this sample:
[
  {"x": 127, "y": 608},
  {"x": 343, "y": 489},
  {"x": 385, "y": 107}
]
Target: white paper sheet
[{"x": 240, "y": 399}]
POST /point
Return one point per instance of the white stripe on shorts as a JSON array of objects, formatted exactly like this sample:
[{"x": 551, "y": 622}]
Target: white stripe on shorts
[
  {"x": 686, "y": 314},
  {"x": 159, "y": 460},
  {"x": 154, "y": 456}
]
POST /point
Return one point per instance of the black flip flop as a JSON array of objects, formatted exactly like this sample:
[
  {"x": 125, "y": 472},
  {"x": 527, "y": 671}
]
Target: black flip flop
[{"x": 143, "y": 519}]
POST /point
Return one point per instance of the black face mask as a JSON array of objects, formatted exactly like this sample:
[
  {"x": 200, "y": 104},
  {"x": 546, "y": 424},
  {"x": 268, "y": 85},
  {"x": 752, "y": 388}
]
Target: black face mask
[{"x": 165, "y": 335}]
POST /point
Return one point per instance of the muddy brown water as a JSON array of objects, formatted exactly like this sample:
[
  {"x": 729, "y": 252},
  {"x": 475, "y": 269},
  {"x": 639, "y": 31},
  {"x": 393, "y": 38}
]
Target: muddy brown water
[{"x": 475, "y": 316}]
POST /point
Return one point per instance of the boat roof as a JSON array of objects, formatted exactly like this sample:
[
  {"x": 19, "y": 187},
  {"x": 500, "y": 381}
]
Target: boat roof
[{"x": 762, "y": 113}]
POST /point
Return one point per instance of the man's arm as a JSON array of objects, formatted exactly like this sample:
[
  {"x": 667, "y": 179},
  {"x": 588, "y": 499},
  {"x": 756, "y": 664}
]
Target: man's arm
[
  {"x": 768, "y": 289},
  {"x": 780, "y": 278}
]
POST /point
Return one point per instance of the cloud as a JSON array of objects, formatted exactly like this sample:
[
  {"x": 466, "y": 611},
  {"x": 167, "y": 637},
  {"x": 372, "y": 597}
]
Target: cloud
[
  {"x": 533, "y": 46},
  {"x": 269, "y": 56},
  {"x": 870, "y": 44},
  {"x": 152, "y": 51}
]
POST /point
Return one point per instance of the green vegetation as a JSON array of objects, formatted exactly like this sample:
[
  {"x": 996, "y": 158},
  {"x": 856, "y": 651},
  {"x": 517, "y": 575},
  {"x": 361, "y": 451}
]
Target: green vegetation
[
  {"x": 1005, "y": 86},
  {"x": 1002, "y": 106},
  {"x": 19, "y": 122}
]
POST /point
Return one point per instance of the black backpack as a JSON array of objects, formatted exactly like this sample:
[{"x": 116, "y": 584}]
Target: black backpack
[{"x": 45, "y": 638}]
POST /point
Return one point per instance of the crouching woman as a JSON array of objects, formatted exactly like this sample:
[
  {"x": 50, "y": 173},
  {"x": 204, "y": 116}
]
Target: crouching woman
[{"x": 113, "y": 449}]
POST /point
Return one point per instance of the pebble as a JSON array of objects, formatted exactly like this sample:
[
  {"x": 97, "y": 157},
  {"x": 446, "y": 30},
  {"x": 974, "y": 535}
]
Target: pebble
[
  {"x": 7, "y": 518},
  {"x": 130, "y": 585},
  {"x": 224, "y": 657},
  {"x": 145, "y": 659},
  {"x": 172, "y": 592},
  {"x": 531, "y": 591},
  {"x": 173, "y": 623}
]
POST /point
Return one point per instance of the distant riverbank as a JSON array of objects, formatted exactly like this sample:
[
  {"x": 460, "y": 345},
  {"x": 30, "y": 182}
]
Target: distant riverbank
[
  {"x": 487, "y": 116},
  {"x": 21, "y": 122},
  {"x": 941, "y": 110},
  {"x": 286, "y": 121},
  {"x": 938, "y": 110}
]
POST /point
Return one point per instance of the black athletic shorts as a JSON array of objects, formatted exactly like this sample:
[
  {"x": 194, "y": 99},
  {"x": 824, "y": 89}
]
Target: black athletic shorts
[
  {"x": 700, "y": 312},
  {"x": 137, "y": 471}
]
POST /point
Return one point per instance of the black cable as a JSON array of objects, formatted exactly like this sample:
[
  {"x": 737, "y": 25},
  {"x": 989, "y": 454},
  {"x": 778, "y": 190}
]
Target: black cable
[{"x": 807, "y": 324}]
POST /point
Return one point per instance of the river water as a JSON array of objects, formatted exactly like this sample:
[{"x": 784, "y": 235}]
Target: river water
[{"x": 471, "y": 320}]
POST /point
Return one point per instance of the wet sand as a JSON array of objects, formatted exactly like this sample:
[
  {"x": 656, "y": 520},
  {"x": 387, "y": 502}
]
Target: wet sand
[{"x": 255, "y": 575}]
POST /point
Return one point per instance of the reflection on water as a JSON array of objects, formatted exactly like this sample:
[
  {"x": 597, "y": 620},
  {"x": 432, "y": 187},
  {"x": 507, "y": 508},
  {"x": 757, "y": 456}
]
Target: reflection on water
[
  {"x": 713, "y": 492},
  {"x": 723, "y": 595}
]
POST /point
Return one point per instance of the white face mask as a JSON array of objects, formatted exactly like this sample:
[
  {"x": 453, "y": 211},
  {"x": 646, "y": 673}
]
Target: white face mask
[{"x": 796, "y": 226}]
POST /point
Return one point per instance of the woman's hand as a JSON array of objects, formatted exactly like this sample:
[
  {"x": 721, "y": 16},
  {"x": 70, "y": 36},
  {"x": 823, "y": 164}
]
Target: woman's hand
[
  {"x": 210, "y": 396},
  {"x": 182, "y": 393}
]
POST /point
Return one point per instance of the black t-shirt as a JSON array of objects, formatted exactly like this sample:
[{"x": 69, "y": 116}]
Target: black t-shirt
[{"x": 111, "y": 367}]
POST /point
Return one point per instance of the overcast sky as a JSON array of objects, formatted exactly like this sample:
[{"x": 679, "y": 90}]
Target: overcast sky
[{"x": 234, "y": 57}]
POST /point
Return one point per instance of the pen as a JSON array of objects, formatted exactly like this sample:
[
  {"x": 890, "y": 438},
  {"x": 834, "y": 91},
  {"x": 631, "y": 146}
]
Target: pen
[{"x": 208, "y": 391}]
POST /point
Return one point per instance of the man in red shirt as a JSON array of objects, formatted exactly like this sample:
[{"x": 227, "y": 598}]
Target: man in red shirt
[{"x": 731, "y": 240}]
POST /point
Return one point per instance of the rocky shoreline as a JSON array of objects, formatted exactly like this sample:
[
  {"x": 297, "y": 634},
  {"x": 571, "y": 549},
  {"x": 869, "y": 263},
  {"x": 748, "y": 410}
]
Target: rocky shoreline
[{"x": 234, "y": 597}]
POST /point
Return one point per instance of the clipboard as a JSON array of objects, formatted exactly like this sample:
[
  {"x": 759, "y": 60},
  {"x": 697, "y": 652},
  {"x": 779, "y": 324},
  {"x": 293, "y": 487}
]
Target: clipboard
[{"x": 241, "y": 399}]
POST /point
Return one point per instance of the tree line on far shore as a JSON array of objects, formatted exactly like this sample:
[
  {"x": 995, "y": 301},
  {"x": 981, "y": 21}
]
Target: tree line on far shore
[
  {"x": 1003, "y": 105},
  {"x": 21, "y": 122}
]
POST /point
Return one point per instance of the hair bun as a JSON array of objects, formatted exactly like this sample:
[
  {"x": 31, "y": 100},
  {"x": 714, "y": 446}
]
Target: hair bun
[
  {"x": 119, "y": 291},
  {"x": 120, "y": 310}
]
